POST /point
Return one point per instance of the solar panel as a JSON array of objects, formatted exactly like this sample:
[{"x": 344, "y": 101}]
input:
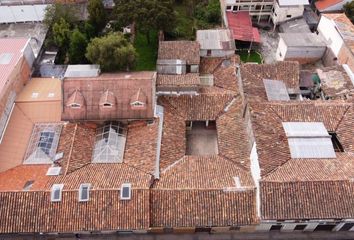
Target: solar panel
[{"x": 276, "y": 90}]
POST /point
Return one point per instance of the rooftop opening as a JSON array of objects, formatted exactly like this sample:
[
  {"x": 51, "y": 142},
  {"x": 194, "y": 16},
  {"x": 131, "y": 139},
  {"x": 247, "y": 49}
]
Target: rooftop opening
[
  {"x": 43, "y": 144},
  {"x": 336, "y": 143},
  {"x": 28, "y": 185},
  {"x": 110, "y": 143},
  {"x": 84, "y": 192},
  {"x": 126, "y": 191},
  {"x": 201, "y": 138},
  {"x": 56, "y": 192},
  {"x": 308, "y": 140},
  {"x": 53, "y": 171}
]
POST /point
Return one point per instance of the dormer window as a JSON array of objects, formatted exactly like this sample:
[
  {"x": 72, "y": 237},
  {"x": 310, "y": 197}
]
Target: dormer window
[
  {"x": 107, "y": 105},
  {"x": 75, "y": 105},
  {"x": 138, "y": 100},
  {"x": 107, "y": 100},
  {"x": 56, "y": 192},
  {"x": 126, "y": 191}
]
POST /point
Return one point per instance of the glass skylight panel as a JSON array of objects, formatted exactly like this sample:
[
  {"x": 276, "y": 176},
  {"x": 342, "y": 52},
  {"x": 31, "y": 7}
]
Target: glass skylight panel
[
  {"x": 308, "y": 140},
  {"x": 276, "y": 90},
  {"x": 43, "y": 144},
  {"x": 110, "y": 144}
]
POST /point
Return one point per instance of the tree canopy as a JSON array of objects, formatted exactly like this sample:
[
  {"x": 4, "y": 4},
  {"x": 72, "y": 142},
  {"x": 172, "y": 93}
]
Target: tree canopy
[
  {"x": 55, "y": 12},
  {"x": 97, "y": 14},
  {"x": 146, "y": 14},
  {"x": 349, "y": 10},
  {"x": 77, "y": 48},
  {"x": 113, "y": 52},
  {"x": 61, "y": 33}
]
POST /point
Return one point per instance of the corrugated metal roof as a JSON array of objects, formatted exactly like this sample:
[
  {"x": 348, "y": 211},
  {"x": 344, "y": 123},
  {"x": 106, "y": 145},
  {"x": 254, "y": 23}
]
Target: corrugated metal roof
[
  {"x": 309, "y": 140},
  {"x": 14, "y": 48},
  {"x": 276, "y": 90},
  {"x": 220, "y": 39},
  {"x": 305, "y": 129},
  {"x": 311, "y": 148},
  {"x": 82, "y": 70}
]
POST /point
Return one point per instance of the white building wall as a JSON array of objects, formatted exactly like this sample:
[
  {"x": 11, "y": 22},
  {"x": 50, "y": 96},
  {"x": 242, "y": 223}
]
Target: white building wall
[
  {"x": 256, "y": 175},
  {"x": 22, "y": 13},
  {"x": 281, "y": 51},
  {"x": 282, "y": 14},
  {"x": 327, "y": 29},
  {"x": 216, "y": 53}
]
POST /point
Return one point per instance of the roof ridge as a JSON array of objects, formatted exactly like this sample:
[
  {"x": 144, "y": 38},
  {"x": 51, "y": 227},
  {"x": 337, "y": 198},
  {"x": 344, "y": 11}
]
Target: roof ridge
[
  {"x": 71, "y": 149},
  {"x": 302, "y": 181},
  {"x": 342, "y": 118}
]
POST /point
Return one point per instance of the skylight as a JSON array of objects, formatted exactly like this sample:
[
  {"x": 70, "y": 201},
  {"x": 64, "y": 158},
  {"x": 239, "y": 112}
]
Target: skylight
[
  {"x": 56, "y": 192},
  {"x": 126, "y": 191},
  {"x": 276, "y": 90},
  {"x": 43, "y": 144},
  {"x": 5, "y": 58},
  {"x": 110, "y": 144},
  {"x": 84, "y": 192},
  {"x": 308, "y": 140}
]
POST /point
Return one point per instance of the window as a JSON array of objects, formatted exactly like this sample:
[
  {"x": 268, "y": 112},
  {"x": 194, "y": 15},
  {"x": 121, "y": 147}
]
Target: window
[
  {"x": 28, "y": 185},
  {"x": 324, "y": 227},
  {"x": 228, "y": 8},
  {"x": 336, "y": 143},
  {"x": 275, "y": 227},
  {"x": 209, "y": 53},
  {"x": 126, "y": 191},
  {"x": 347, "y": 227},
  {"x": 300, "y": 227},
  {"x": 288, "y": 16},
  {"x": 56, "y": 192},
  {"x": 5, "y": 58},
  {"x": 53, "y": 171},
  {"x": 308, "y": 140},
  {"x": 107, "y": 105},
  {"x": 43, "y": 144},
  {"x": 110, "y": 143},
  {"x": 84, "y": 192},
  {"x": 138, "y": 104}
]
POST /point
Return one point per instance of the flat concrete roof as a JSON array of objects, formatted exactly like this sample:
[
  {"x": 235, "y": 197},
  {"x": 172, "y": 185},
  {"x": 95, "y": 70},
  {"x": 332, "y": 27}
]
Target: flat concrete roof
[
  {"x": 302, "y": 40},
  {"x": 35, "y": 31}
]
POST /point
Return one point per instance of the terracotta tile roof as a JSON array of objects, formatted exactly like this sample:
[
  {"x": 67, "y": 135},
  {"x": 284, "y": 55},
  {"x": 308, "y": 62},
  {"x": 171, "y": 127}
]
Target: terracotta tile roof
[
  {"x": 323, "y": 4},
  {"x": 189, "y": 79},
  {"x": 209, "y": 208},
  {"x": 201, "y": 107},
  {"x": 124, "y": 86},
  {"x": 307, "y": 200},
  {"x": 344, "y": 26},
  {"x": 269, "y": 133},
  {"x": 34, "y": 212},
  {"x": 235, "y": 147},
  {"x": 185, "y": 189},
  {"x": 182, "y": 50},
  {"x": 225, "y": 76},
  {"x": 253, "y": 75}
]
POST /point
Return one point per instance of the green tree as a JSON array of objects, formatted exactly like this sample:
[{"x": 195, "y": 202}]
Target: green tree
[
  {"x": 57, "y": 11},
  {"x": 77, "y": 48},
  {"x": 97, "y": 14},
  {"x": 148, "y": 15},
  {"x": 209, "y": 12},
  {"x": 349, "y": 10},
  {"x": 61, "y": 33},
  {"x": 113, "y": 52}
]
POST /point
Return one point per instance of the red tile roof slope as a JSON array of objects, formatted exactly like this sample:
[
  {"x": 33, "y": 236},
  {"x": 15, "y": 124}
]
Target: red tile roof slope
[
  {"x": 241, "y": 28},
  {"x": 323, "y": 4},
  {"x": 182, "y": 50},
  {"x": 124, "y": 86}
]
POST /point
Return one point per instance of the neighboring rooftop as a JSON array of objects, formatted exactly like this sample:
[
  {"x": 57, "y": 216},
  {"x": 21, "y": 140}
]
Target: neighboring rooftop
[
  {"x": 344, "y": 26},
  {"x": 36, "y": 32},
  {"x": 182, "y": 50},
  {"x": 216, "y": 39},
  {"x": 298, "y": 25},
  {"x": 302, "y": 40},
  {"x": 240, "y": 24},
  {"x": 322, "y": 5}
]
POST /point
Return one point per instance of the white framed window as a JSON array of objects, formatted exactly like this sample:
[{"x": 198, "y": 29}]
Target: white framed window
[
  {"x": 84, "y": 192},
  {"x": 56, "y": 192},
  {"x": 126, "y": 191},
  {"x": 107, "y": 105}
]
